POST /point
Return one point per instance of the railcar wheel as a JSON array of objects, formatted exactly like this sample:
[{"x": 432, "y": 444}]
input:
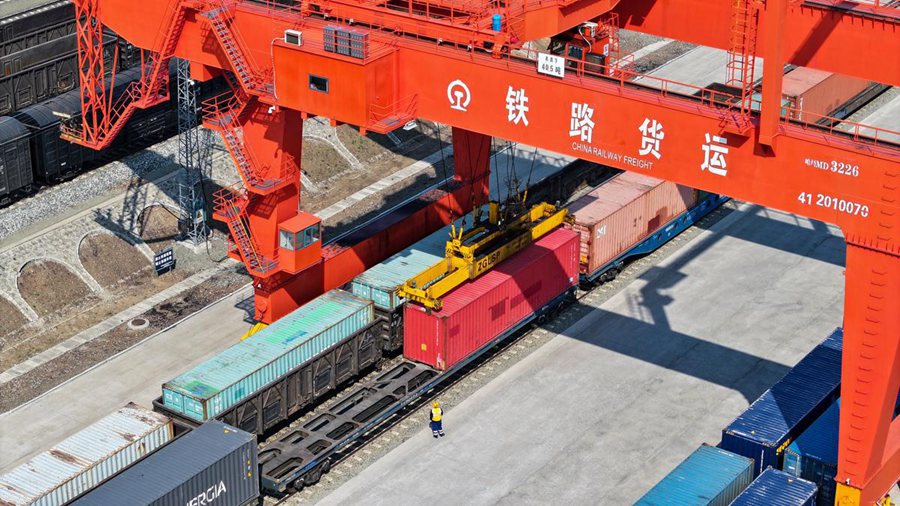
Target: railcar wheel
[
  {"x": 298, "y": 485},
  {"x": 312, "y": 477},
  {"x": 326, "y": 466}
]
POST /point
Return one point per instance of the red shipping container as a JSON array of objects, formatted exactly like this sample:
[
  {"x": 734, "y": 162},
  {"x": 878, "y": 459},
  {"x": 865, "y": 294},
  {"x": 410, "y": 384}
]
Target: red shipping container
[
  {"x": 622, "y": 212},
  {"x": 474, "y": 314},
  {"x": 818, "y": 93}
]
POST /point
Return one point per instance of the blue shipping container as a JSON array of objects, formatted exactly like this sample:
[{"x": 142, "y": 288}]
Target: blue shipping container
[
  {"x": 814, "y": 455},
  {"x": 709, "y": 476},
  {"x": 777, "y": 488},
  {"x": 230, "y": 377},
  {"x": 784, "y": 411}
]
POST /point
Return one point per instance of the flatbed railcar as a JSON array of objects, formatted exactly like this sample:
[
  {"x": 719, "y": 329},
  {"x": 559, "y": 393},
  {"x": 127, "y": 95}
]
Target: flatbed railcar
[{"x": 295, "y": 457}]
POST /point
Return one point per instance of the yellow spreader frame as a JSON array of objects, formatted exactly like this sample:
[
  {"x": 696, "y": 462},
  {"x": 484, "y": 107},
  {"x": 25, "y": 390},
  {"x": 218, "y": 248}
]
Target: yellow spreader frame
[{"x": 471, "y": 254}]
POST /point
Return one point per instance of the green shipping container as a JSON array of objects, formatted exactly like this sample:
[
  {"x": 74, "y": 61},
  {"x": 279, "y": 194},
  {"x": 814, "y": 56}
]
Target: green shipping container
[
  {"x": 245, "y": 368},
  {"x": 380, "y": 283}
]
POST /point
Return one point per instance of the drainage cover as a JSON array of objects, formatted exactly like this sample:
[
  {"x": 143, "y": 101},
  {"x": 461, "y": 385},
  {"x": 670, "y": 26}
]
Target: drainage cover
[{"x": 138, "y": 324}]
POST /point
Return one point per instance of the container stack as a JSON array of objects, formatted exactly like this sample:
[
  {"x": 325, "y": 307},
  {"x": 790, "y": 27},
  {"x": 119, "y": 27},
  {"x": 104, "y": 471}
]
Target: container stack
[
  {"x": 795, "y": 421},
  {"x": 778, "y": 488},
  {"x": 784, "y": 411}
]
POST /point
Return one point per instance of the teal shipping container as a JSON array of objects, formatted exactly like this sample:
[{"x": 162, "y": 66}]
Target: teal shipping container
[
  {"x": 245, "y": 368},
  {"x": 709, "y": 476},
  {"x": 380, "y": 283}
]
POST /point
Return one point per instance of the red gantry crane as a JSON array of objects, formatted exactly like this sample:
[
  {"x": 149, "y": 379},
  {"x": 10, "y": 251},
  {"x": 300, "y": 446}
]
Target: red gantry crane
[{"x": 378, "y": 64}]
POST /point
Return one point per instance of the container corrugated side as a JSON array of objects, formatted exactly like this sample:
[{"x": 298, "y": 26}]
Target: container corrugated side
[
  {"x": 214, "y": 464},
  {"x": 243, "y": 369},
  {"x": 624, "y": 211},
  {"x": 709, "y": 476},
  {"x": 381, "y": 281},
  {"x": 663, "y": 200},
  {"x": 607, "y": 222},
  {"x": 819, "y": 93},
  {"x": 86, "y": 458},
  {"x": 481, "y": 310},
  {"x": 783, "y": 412},
  {"x": 813, "y": 456},
  {"x": 778, "y": 488}
]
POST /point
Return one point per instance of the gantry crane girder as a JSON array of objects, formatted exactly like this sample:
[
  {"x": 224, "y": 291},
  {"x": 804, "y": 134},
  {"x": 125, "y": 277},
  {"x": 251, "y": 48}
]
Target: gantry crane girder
[
  {"x": 843, "y": 37},
  {"x": 447, "y": 68}
]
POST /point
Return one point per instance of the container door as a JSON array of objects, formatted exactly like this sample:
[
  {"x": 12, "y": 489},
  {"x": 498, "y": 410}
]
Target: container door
[{"x": 173, "y": 400}]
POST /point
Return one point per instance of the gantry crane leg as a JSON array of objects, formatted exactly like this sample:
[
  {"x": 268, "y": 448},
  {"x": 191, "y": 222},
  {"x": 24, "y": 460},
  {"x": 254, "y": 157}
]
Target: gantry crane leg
[
  {"x": 774, "y": 16},
  {"x": 281, "y": 293},
  {"x": 869, "y": 448},
  {"x": 274, "y": 137}
]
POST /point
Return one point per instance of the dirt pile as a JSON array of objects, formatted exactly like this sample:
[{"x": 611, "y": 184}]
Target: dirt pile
[
  {"x": 110, "y": 259},
  {"x": 321, "y": 162},
  {"x": 49, "y": 286},
  {"x": 159, "y": 227}
]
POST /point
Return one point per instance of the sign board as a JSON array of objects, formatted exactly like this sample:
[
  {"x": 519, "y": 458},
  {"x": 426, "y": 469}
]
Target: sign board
[
  {"x": 551, "y": 65},
  {"x": 164, "y": 261}
]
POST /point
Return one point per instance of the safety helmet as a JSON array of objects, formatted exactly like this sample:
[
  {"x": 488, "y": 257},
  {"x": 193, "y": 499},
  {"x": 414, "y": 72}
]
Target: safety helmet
[{"x": 435, "y": 404}]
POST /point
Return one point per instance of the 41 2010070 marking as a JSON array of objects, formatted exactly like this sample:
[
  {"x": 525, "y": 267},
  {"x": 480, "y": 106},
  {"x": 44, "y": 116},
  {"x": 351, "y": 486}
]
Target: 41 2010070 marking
[{"x": 838, "y": 204}]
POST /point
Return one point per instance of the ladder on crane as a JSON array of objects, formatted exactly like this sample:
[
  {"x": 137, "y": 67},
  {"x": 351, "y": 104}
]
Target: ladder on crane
[
  {"x": 231, "y": 207},
  {"x": 742, "y": 59},
  {"x": 471, "y": 254},
  {"x": 220, "y": 16}
]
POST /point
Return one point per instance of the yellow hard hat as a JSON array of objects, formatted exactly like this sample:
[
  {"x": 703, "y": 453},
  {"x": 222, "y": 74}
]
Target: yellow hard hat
[{"x": 435, "y": 404}]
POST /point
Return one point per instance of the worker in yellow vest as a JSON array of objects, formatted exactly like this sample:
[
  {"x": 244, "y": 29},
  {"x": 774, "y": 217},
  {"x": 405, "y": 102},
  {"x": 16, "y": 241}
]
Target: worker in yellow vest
[{"x": 437, "y": 428}]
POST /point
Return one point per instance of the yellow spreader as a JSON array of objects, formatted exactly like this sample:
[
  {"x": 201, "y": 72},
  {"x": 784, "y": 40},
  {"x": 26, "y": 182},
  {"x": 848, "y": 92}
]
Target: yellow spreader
[{"x": 471, "y": 254}]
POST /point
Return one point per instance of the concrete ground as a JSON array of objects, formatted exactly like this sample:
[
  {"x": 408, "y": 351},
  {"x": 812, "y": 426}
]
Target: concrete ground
[
  {"x": 887, "y": 116},
  {"x": 699, "y": 67},
  {"x": 134, "y": 375},
  {"x": 609, "y": 406}
]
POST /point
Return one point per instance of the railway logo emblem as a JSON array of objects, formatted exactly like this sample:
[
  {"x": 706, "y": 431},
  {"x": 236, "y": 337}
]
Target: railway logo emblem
[
  {"x": 459, "y": 95},
  {"x": 714, "y": 151}
]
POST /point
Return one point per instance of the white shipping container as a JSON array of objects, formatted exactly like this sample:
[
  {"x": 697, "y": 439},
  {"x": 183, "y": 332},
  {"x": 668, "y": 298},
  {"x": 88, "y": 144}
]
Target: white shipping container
[{"x": 84, "y": 460}]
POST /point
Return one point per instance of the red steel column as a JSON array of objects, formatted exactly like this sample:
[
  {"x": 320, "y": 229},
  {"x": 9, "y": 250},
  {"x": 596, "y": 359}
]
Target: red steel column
[
  {"x": 271, "y": 138},
  {"x": 869, "y": 440},
  {"x": 774, "y": 15}
]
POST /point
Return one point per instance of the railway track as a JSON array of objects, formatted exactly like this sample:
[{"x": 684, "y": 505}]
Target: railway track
[{"x": 456, "y": 387}]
